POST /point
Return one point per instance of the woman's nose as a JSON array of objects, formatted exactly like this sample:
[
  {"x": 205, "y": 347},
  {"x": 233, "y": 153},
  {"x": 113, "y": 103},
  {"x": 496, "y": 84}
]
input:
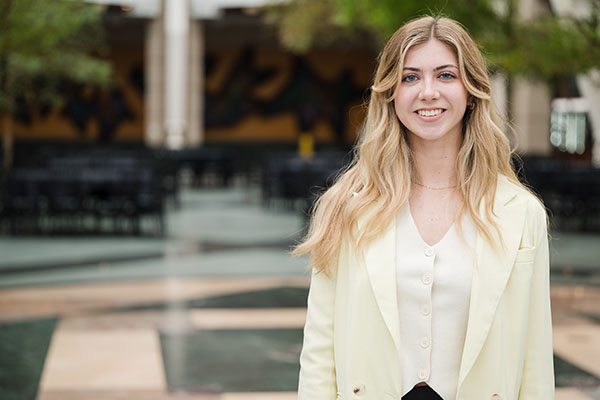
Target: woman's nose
[{"x": 428, "y": 90}]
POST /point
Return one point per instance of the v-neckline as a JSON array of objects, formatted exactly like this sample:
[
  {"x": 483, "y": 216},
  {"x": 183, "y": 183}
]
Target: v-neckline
[{"x": 416, "y": 228}]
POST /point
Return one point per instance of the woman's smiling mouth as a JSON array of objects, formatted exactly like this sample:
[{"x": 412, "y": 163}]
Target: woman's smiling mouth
[{"x": 430, "y": 112}]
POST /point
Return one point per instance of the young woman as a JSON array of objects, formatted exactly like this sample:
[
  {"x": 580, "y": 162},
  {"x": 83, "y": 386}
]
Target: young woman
[{"x": 430, "y": 260}]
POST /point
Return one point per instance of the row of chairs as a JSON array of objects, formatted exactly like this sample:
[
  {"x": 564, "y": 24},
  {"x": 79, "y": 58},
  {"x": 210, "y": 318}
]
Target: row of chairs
[
  {"x": 84, "y": 195},
  {"x": 295, "y": 182},
  {"x": 570, "y": 192},
  {"x": 88, "y": 188},
  {"x": 84, "y": 188},
  {"x": 213, "y": 165}
]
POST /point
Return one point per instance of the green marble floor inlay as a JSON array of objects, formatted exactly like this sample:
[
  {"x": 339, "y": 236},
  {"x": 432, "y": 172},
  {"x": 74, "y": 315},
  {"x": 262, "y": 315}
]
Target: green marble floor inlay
[
  {"x": 233, "y": 360},
  {"x": 278, "y": 297},
  {"x": 23, "y": 349},
  {"x": 569, "y": 375}
]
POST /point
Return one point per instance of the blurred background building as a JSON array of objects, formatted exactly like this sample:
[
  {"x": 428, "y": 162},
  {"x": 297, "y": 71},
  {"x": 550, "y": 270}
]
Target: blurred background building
[
  {"x": 225, "y": 85},
  {"x": 205, "y": 72}
]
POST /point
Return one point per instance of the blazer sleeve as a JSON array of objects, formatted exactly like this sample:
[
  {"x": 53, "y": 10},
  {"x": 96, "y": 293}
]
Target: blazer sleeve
[
  {"x": 538, "y": 371},
  {"x": 317, "y": 365}
]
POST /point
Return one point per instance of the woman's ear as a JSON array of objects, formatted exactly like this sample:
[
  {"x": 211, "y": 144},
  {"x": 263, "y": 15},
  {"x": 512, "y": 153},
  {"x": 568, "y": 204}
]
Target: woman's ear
[{"x": 470, "y": 102}]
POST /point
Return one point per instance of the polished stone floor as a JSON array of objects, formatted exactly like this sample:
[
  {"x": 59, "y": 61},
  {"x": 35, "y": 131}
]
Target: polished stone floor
[{"x": 212, "y": 311}]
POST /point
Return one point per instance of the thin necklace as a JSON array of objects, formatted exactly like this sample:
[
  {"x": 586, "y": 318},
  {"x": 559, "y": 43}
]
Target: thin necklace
[{"x": 435, "y": 188}]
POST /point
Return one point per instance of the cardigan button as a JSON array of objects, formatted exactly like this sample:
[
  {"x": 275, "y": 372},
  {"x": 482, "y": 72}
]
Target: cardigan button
[
  {"x": 427, "y": 278},
  {"x": 496, "y": 396},
  {"x": 430, "y": 251}
]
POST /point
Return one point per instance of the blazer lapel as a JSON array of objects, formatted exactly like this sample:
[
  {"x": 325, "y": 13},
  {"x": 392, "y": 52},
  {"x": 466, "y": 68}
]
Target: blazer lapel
[
  {"x": 380, "y": 260},
  {"x": 493, "y": 266}
]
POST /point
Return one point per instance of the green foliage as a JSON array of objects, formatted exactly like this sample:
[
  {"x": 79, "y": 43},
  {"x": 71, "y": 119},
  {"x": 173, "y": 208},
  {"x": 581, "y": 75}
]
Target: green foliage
[
  {"x": 542, "y": 48},
  {"x": 305, "y": 23},
  {"x": 43, "y": 42},
  {"x": 385, "y": 16},
  {"x": 546, "y": 47}
]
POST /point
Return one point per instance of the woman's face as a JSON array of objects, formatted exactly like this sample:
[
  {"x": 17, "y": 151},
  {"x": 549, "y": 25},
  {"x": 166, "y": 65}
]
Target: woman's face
[{"x": 431, "y": 99}]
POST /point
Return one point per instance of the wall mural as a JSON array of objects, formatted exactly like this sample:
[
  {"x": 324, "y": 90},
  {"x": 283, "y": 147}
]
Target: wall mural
[
  {"x": 108, "y": 109},
  {"x": 255, "y": 84},
  {"x": 303, "y": 92},
  {"x": 92, "y": 114}
]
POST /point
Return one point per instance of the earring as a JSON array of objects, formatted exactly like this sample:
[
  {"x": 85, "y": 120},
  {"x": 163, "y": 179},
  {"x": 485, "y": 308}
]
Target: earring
[{"x": 471, "y": 106}]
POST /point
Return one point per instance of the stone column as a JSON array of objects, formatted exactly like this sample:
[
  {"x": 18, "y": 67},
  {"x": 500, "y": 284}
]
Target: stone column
[
  {"x": 589, "y": 86},
  {"x": 177, "y": 27},
  {"x": 153, "y": 95},
  {"x": 531, "y": 100},
  {"x": 499, "y": 84},
  {"x": 531, "y": 116},
  {"x": 195, "y": 132}
]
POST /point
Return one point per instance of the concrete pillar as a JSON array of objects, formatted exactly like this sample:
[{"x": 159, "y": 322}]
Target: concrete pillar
[
  {"x": 589, "y": 86},
  {"x": 195, "y": 133},
  {"x": 153, "y": 96},
  {"x": 530, "y": 102},
  {"x": 174, "y": 65},
  {"x": 176, "y": 28},
  {"x": 499, "y": 83},
  {"x": 529, "y": 9},
  {"x": 531, "y": 117}
]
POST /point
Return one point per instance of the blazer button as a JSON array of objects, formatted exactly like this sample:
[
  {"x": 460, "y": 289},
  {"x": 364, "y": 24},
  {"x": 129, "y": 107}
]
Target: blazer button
[{"x": 358, "y": 389}]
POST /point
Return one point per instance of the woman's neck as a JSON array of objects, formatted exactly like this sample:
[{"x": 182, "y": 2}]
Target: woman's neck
[{"x": 435, "y": 164}]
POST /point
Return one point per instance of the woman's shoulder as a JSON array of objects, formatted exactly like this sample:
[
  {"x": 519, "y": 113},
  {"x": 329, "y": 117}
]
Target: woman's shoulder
[{"x": 509, "y": 190}]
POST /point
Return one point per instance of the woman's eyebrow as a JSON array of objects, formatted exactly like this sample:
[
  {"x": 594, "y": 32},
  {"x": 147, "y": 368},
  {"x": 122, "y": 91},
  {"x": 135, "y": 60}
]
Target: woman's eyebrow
[
  {"x": 435, "y": 69},
  {"x": 446, "y": 66}
]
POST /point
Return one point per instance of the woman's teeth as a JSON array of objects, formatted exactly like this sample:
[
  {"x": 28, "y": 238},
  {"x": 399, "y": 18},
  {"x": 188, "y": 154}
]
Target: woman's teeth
[{"x": 429, "y": 113}]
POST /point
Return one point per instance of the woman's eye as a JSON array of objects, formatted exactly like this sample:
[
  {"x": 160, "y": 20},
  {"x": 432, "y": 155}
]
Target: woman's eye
[
  {"x": 409, "y": 78},
  {"x": 447, "y": 75}
]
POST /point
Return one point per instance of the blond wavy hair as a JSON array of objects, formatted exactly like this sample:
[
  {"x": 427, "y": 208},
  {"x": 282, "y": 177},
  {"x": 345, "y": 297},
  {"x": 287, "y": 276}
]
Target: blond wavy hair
[{"x": 379, "y": 178}]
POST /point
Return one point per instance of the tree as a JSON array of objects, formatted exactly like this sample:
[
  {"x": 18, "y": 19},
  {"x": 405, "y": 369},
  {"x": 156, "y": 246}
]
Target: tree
[
  {"x": 42, "y": 43},
  {"x": 547, "y": 48},
  {"x": 540, "y": 47}
]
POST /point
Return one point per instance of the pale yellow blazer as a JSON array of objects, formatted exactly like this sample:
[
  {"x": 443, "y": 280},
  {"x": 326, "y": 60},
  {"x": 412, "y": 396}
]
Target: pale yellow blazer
[{"x": 352, "y": 346}]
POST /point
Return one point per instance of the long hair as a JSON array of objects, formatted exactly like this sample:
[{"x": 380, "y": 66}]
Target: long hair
[{"x": 379, "y": 178}]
